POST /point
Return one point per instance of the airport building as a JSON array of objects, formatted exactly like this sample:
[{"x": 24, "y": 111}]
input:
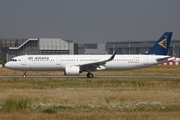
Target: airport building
[
  {"x": 139, "y": 47},
  {"x": 10, "y": 48},
  {"x": 35, "y": 46},
  {"x": 127, "y": 47},
  {"x": 91, "y": 49}
]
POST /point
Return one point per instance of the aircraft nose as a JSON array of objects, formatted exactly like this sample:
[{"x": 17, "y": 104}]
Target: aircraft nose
[{"x": 7, "y": 65}]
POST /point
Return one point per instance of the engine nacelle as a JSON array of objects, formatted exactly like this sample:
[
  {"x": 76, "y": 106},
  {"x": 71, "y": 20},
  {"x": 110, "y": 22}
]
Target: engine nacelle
[{"x": 71, "y": 70}]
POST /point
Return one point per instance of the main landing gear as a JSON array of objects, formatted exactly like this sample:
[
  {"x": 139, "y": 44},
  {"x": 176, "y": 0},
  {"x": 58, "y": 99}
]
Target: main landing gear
[
  {"x": 24, "y": 76},
  {"x": 89, "y": 75}
]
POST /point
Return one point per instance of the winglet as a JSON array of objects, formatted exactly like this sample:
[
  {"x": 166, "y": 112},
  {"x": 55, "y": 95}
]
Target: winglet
[{"x": 112, "y": 57}]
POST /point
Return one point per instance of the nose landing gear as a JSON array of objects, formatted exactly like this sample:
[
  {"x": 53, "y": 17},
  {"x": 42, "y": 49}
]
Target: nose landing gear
[{"x": 24, "y": 76}]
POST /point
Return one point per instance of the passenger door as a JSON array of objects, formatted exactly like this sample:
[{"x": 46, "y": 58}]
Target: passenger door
[
  {"x": 146, "y": 60},
  {"x": 24, "y": 60},
  {"x": 58, "y": 60}
]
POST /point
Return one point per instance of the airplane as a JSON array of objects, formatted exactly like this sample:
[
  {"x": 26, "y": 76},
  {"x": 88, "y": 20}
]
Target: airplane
[{"x": 73, "y": 65}]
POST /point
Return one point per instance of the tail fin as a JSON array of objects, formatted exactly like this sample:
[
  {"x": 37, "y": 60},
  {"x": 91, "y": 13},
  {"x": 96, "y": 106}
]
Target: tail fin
[{"x": 162, "y": 45}]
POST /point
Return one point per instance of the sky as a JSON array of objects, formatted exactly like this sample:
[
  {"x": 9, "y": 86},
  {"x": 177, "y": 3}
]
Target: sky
[{"x": 90, "y": 21}]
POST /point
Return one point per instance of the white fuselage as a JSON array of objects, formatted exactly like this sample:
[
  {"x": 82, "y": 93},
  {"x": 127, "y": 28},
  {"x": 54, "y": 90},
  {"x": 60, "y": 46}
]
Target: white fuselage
[{"x": 59, "y": 62}]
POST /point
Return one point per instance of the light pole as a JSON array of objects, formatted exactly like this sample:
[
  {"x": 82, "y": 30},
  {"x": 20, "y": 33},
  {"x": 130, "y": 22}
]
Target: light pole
[{"x": 129, "y": 46}]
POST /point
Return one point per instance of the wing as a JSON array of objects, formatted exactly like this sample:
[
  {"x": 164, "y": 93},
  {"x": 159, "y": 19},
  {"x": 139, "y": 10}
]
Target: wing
[{"x": 100, "y": 65}]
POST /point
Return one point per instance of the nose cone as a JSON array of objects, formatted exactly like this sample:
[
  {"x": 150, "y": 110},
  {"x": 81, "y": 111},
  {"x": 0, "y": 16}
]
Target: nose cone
[{"x": 7, "y": 65}]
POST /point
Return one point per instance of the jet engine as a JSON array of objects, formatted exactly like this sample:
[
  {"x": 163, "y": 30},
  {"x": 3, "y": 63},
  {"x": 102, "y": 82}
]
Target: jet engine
[{"x": 71, "y": 70}]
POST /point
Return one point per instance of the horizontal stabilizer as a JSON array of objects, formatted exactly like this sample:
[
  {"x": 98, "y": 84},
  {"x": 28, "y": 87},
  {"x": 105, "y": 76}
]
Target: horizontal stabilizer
[{"x": 167, "y": 58}]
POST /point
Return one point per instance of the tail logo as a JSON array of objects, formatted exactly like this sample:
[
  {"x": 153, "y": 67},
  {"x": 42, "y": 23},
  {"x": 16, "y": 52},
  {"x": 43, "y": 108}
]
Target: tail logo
[{"x": 163, "y": 43}]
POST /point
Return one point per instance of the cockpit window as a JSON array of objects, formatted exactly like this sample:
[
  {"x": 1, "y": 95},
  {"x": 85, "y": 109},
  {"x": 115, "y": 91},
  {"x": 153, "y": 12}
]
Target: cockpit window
[{"x": 14, "y": 60}]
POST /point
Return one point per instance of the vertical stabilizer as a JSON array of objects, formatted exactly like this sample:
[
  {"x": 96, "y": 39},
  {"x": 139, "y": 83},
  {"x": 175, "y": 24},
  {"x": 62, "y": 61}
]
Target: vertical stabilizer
[{"x": 162, "y": 45}]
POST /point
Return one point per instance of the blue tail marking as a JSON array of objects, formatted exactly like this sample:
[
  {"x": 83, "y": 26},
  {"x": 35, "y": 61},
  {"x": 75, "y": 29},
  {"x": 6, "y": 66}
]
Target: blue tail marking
[{"x": 162, "y": 45}]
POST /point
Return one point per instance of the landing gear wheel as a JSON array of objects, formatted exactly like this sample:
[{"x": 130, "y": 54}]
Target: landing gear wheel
[{"x": 89, "y": 75}]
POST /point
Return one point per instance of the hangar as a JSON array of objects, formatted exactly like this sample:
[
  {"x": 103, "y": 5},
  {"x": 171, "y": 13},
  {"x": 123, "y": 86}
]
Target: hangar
[{"x": 35, "y": 46}]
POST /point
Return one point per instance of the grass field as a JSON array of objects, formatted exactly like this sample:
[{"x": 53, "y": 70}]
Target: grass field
[
  {"x": 150, "y": 71},
  {"x": 92, "y": 99}
]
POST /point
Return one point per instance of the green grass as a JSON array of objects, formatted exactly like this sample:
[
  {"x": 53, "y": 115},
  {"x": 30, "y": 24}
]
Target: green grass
[
  {"x": 41, "y": 83},
  {"x": 11, "y": 104},
  {"x": 87, "y": 99},
  {"x": 158, "y": 70}
]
